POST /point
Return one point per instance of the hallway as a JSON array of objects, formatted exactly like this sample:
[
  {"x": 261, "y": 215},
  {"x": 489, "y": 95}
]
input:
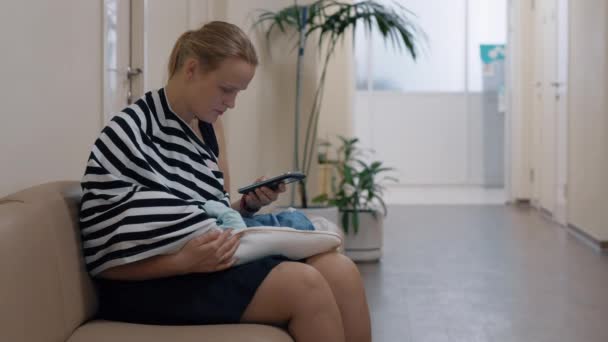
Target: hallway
[{"x": 485, "y": 273}]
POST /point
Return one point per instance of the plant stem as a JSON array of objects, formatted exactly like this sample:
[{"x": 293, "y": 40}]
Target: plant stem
[
  {"x": 301, "y": 44},
  {"x": 313, "y": 124},
  {"x": 303, "y": 196}
]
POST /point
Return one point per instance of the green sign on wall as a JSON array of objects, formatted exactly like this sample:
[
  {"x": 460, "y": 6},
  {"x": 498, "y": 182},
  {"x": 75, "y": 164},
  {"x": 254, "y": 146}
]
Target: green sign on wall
[{"x": 492, "y": 52}]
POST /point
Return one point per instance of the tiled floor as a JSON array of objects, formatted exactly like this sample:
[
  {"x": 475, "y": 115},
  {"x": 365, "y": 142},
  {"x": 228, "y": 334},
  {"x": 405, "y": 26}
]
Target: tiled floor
[{"x": 484, "y": 273}]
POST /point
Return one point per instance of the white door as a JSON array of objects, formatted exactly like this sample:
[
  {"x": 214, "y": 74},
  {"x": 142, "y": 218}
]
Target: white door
[
  {"x": 156, "y": 25},
  {"x": 548, "y": 161},
  {"x": 537, "y": 104},
  {"x": 550, "y": 107},
  {"x": 138, "y": 38},
  {"x": 116, "y": 56},
  {"x": 561, "y": 96}
]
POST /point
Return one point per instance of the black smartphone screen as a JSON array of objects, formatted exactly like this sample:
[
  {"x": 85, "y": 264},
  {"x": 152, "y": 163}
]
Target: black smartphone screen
[{"x": 274, "y": 182}]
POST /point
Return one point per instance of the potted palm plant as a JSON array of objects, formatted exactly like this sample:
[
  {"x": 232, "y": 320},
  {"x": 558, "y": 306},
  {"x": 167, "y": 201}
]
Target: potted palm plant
[
  {"x": 330, "y": 21},
  {"x": 357, "y": 191}
]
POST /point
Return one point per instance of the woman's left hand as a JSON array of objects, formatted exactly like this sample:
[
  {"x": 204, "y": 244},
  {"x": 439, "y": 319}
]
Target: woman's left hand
[{"x": 263, "y": 196}]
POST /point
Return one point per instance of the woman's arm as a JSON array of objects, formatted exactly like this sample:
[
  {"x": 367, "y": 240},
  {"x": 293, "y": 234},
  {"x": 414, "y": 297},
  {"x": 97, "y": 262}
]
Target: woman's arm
[
  {"x": 155, "y": 267},
  {"x": 210, "y": 252}
]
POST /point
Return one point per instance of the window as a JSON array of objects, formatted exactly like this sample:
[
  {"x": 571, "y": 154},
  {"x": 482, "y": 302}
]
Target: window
[{"x": 441, "y": 65}]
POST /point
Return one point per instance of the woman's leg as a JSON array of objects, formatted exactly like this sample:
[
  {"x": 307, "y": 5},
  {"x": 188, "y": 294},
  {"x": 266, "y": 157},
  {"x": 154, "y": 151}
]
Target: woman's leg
[
  {"x": 297, "y": 294},
  {"x": 347, "y": 286}
]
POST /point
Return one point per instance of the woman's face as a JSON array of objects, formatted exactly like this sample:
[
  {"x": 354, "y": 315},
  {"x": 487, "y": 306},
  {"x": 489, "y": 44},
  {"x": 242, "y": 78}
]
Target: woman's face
[{"x": 210, "y": 94}]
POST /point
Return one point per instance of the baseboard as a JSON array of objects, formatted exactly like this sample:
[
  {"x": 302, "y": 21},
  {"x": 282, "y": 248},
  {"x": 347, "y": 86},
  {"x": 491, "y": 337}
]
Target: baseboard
[
  {"x": 597, "y": 245},
  {"x": 522, "y": 202},
  {"x": 546, "y": 213}
]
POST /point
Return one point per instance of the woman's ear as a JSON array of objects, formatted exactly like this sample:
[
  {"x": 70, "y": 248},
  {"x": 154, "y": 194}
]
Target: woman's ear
[{"x": 191, "y": 67}]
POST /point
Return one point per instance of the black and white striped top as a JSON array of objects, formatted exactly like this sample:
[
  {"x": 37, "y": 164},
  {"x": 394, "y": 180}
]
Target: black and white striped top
[{"x": 146, "y": 180}]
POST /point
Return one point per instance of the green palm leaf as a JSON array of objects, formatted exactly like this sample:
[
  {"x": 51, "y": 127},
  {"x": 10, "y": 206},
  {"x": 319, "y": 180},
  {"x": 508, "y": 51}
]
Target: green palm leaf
[{"x": 331, "y": 21}]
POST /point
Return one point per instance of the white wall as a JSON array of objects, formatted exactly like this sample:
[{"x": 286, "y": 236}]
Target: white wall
[
  {"x": 588, "y": 118},
  {"x": 429, "y": 145},
  {"x": 51, "y": 95},
  {"x": 415, "y": 134},
  {"x": 338, "y": 108}
]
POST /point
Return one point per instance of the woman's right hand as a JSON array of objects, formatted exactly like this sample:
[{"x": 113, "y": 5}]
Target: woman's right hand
[{"x": 210, "y": 252}]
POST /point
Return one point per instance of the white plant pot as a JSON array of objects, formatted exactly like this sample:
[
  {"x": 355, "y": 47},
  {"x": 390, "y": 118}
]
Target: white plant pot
[
  {"x": 366, "y": 244},
  {"x": 330, "y": 213}
]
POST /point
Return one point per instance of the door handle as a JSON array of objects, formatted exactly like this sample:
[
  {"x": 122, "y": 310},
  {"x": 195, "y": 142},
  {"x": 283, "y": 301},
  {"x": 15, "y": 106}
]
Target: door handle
[{"x": 132, "y": 72}]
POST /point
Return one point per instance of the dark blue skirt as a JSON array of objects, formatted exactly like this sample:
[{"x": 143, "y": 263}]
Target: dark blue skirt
[{"x": 192, "y": 299}]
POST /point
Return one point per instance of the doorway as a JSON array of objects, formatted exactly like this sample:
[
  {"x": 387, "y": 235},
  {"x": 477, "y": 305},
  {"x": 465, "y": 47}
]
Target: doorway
[
  {"x": 439, "y": 120},
  {"x": 549, "y": 131},
  {"x": 122, "y": 57},
  {"x": 138, "y": 38}
]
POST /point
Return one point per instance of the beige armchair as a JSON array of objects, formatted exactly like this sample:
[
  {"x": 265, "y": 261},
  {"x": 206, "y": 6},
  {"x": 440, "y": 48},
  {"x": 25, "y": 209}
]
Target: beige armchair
[{"x": 46, "y": 293}]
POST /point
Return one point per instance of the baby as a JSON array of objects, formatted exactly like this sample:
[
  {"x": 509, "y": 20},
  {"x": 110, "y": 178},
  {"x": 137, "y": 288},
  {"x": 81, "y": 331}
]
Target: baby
[
  {"x": 230, "y": 218},
  {"x": 226, "y": 217}
]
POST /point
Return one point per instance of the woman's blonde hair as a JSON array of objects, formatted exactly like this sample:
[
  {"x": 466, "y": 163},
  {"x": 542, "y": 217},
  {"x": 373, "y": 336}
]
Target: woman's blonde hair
[{"x": 212, "y": 44}]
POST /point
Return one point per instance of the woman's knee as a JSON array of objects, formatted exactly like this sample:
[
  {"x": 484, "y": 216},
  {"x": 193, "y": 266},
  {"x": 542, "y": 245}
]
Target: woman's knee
[
  {"x": 334, "y": 265},
  {"x": 308, "y": 290},
  {"x": 301, "y": 279},
  {"x": 290, "y": 289}
]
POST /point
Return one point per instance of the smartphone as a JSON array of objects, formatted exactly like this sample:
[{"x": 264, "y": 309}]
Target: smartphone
[{"x": 274, "y": 182}]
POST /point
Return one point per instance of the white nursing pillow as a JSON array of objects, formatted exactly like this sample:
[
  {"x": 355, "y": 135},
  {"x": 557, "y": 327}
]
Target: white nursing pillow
[{"x": 258, "y": 242}]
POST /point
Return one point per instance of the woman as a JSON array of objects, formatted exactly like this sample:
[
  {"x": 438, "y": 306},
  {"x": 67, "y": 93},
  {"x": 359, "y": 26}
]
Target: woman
[{"x": 146, "y": 181}]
